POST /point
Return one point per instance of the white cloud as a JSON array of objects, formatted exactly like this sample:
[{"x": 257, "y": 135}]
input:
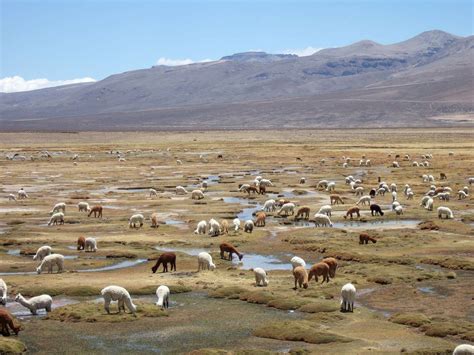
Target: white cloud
[
  {"x": 303, "y": 52},
  {"x": 17, "y": 83},
  {"x": 176, "y": 62}
]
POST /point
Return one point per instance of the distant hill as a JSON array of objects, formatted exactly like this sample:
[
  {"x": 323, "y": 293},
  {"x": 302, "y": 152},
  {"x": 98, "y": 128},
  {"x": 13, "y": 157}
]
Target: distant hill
[{"x": 427, "y": 80}]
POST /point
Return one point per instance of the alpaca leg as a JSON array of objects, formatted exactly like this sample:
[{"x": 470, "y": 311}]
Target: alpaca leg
[
  {"x": 296, "y": 282},
  {"x": 48, "y": 308},
  {"x": 107, "y": 303},
  {"x": 121, "y": 305},
  {"x": 128, "y": 302}
]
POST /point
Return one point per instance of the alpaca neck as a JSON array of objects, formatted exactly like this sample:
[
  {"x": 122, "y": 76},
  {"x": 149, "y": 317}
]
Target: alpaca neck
[{"x": 23, "y": 302}]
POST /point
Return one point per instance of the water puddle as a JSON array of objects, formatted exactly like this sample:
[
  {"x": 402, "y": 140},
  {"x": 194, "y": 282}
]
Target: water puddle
[
  {"x": 382, "y": 224},
  {"x": 17, "y": 209},
  {"x": 121, "y": 265}
]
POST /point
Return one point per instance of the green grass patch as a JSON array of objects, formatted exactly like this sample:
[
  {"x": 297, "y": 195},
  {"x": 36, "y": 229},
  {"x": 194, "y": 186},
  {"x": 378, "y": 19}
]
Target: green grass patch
[
  {"x": 11, "y": 346},
  {"x": 320, "y": 306},
  {"x": 411, "y": 319},
  {"x": 232, "y": 292}
]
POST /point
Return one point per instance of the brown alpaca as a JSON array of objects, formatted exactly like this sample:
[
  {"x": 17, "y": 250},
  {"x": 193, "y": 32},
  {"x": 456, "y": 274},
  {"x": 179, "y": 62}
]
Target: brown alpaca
[
  {"x": 260, "y": 222},
  {"x": 301, "y": 277},
  {"x": 364, "y": 238},
  {"x": 442, "y": 176},
  {"x": 164, "y": 259},
  {"x": 81, "y": 243},
  {"x": 252, "y": 189},
  {"x": 303, "y": 212},
  {"x": 335, "y": 199},
  {"x": 332, "y": 263},
  {"x": 439, "y": 190},
  {"x": 6, "y": 320},
  {"x": 154, "y": 220},
  {"x": 262, "y": 189},
  {"x": 351, "y": 211},
  {"x": 319, "y": 269},
  {"x": 224, "y": 227},
  {"x": 97, "y": 210},
  {"x": 229, "y": 248}
]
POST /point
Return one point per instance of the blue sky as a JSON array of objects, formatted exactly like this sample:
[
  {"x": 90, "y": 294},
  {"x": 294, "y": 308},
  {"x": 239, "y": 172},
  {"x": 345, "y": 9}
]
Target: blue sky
[{"x": 69, "y": 39}]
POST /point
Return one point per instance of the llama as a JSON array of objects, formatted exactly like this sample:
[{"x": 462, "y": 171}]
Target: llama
[
  {"x": 364, "y": 238},
  {"x": 49, "y": 261},
  {"x": 348, "y": 293},
  {"x": 351, "y": 211},
  {"x": 180, "y": 190},
  {"x": 42, "y": 252},
  {"x": 261, "y": 216},
  {"x": 301, "y": 277},
  {"x": 97, "y": 211},
  {"x": 269, "y": 206},
  {"x": 229, "y": 248},
  {"x": 57, "y": 218},
  {"x": 375, "y": 210},
  {"x": 117, "y": 293},
  {"x": 446, "y": 212},
  {"x": 319, "y": 269},
  {"x": 205, "y": 262},
  {"x": 326, "y": 209},
  {"x": 163, "y": 294},
  {"x": 303, "y": 213},
  {"x": 164, "y": 259},
  {"x": 3, "y": 292},
  {"x": 248, "y": 226},
  {"x": 81, "y": 243},
  {"x": 83, "y": 207},
  {"x": 6, "y": 321},
  {"x": 136, "y": 219},
  {"x": 201, "y": 227},
  {"x": 332, "y": 263},
  {"x": 261, "y": 278},
  {"x": 35, "y": 303}
]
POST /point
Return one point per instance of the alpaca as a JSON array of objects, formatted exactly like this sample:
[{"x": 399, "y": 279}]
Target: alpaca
[
  {"x": 372, "y": 193},
  {"x": 269, "y": 206},
  {"x": 154, "y": 220},
  {"x": 302, "y": 180},
  {"x": 51, "y": 260},
  {"x": 229, "y": 248},
  {"x": 97, "y": 211},
  {"x": 322, "y": 184},
  {"x": 225, "y": 226},
  {"x": 326, "y": 209},
  {"x": 201, "y": 227},
  {"x": 152, "y": 193},
  {"x": 260, "y": 222},
  {"x": 57, "y": 218},
  {"x": 375, "y": 210},
  {"x": 288, "y": 209},
  {"x": 297, "y": 261},
  {"x": 3, "y": 292},
  {"x": 364, "y": 200},
  {"x": 301, "y": 277},
  {"x": 205, "y": 262},
  {"x": 321, "y": 220},
  {"x": 398, "y": 210},
  {"x": 83, "y": 207},
  {"x": 335, "y": 199},
  {"x": 445, "y": 211},
  {"x": 348, "y": 293},
  {"x": 11, "y": 197},
  {"x": 6, "y": 321},
  {"x": 81, "y": 243},
  {"x": 236, "y": 224},
  {"x": 197, "y": 195},
  {"x": 42, "y": 252},
  {"x": 303, "y": 212},
  {"x": 58, "y": 207},
  {"x": 364, "y": 238},
  {"x": 464, "y": 349},
  {"x": 332, "y": 263},
  {"x": 35, "y": 303},
  {"x": 117, "y": 293},
  {"x": 90, "y": 244},
  {"x": 319, "y": 269},
  {"x": 136, "y": 219},
  {"x": 351, "y": 211},
  {"x": 248, "y": 226},
  {"x": 164, "y": 259},
  {"x": 181, "y": 190},
  {"x": 163, "y": 294},
  {"x": 261, "y": 278},
  {"x": 22, "y": 194},
  {"x": 214, "y": 228},
  {"x": 331, "y": 186},
  {"x": 442, "y": 176}
]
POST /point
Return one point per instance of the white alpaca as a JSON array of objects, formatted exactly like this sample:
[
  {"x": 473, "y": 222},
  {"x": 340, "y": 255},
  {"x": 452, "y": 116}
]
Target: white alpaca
[
  {"x": 57, "y": 218},
  {"x": 43, "y": 251},
  {"x": 35, "y": 303},
  {"x": 431, "y": 178},
  {"x": 297, "y": 261},
  {"x": 322, "y": 184},
  {"x": 49, "y": 261},
  {"x": 395, "y": 164},
  {"x": 248, "y": 226},
  {"x": 415, "y": 163},
  {"x": 381, "y": 191},
  {"x": 269, "y": 206},
  {"x": 61, "y": 206},
  {"x": 11, "y": 197},
  {"x": 152, "y": 193},
  {"x": 302, "y": 180},
  {"x": 261, "y": 278},
  {"x": 91, "y": 244},
  {"x": 287, "y": 208},
  {"x": 201, "y": 227},
  {"x": 349, "y": 179},
  {"x": 364, "y": 200},
  {"x": 410, "y": 194},
  {"x": 117, "y": 293},
  {"x": 83, "y": 207},
  {"x": 181, "y": 190},
  {"x": 22, "y": 194},
  {"x": 136, "y": 219},
  {"x": 444, "y": 196},
  {"x": 425, "y": 178},
  {"x": 345, "y": 165},
  {"x": 462, "y": 195},
  {"x": 446, "y": 212},
  {"x": 348, "y": 294},
  {"x": 265, "y": 183},
  {"x": 368, "y": 163},
  {"x": 197, "y": 195},
  {"x": 326, "y": 209},
  {"x": 163, "y": 294},
  {"x": 399, "y": 210},
  {"x": 331, "y": 186},
  {"x": 214, "y": 228},
  {"x": 322, "y": 220},
  {"x": 3, "y": 292},
  {"x": 205, "y": 261},
  {"x": 179, "y": 162},
  {"x": 244, "y": 188},
  {"x": 464, "y": 349},
  {"x": 395, "y": 204},
  {"x": 429, "y": 203},
  {"x": 236, "y": 224},
  {"x": 359, "y": 191},
  {"x": 394, "y": 196}
]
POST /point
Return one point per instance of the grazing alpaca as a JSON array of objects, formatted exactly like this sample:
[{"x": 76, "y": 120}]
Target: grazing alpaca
[
  {"x": 3, "y": 292},
  {"x": 375, "y": 210},
  {"x": 336, "y": 199},
  {"x": 163, "y": 294},
  {"x": 348, "y": 293},
  {"x": 224, "y": 226},
  {"x": 288, "y": 209},
  {"x": 97, "y": 211},
  {"x": 297, "y": 261},
  {"x": 42, "y": 252},
  {"x": 351, "y": 211},
  {"x": 83, "y": 207},
  {"x": 464, "y": 349},
  {"x": 201, "y": 227},
  {"x": 152, "y": 192},
  {"x": 269, "y": 206},
  {"x": 197, "y": 195},
  {"x": 319, "y": 269},
  {"x": 332, "y": 263},
  {"x": 164, "y": 259},
  {"x": 442, "y": 176},
  {"x": 260, "y": 222},
  {"x": 136, "y": 219},
  {"x": 229, "y": 248},
  {"x": 301, "y": 277},
  {"x": 181, "y": 190},
  {"x": 58, "y": 207},
  {"x": 214, "y": 228},
  {"x": 57, "y": 218},
  {"x": 91, "y": 245},
  {"x": 261, "y": 278},
  {"x": 11, "y": 197},
  {"x": 326, "y": 209},
  {"x": 81, "y": 243},
  {"x": 117, "y": 293},
  {"x": 154, "y": 220},
  {"x": 248, "y": 226},
  {"x": 364, "y": 200},
  {"x": 303, "y": 212},
  {"x": 236, "y": 224},
  {"x": 51, "y": 260},
  {"x": 205, "y": 261},
  {"x": 322, "y": 220},
  {"x": 446, "y": 212},
  {"x": 6, "y": 320},
  {"x": 364, "y": 238},
  {"x": 35, "y": 303}
]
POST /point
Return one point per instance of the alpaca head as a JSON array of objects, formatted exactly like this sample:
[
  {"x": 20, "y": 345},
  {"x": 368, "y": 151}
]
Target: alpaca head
[
  {"x": 18, "y": 296},
  {"x": 241, "y": 256},
  {"x": 154, "y": 268},
  {"x": 381, "y": 212},
  {"x": 305, "y": 284},
  {"x": 212, "y": 266},
  {"x": 38, "y": 269},
  {"x": 3, "y": 300}
]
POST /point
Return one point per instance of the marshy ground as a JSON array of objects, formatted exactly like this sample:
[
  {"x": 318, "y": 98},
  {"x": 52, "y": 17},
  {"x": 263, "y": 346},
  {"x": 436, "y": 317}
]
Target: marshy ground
[{"x": 415, "y": 285}]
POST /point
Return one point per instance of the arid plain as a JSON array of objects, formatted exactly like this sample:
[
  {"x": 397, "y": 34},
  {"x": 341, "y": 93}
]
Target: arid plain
[{"x": 414, "y": 286}]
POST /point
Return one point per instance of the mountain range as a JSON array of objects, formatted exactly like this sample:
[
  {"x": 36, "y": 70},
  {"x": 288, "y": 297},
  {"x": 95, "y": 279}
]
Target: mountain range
[{"x": 427, "y": 80}]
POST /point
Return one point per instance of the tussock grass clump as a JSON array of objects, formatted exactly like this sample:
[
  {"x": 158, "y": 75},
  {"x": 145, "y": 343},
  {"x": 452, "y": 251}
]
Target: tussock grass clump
[
  {"x": 431, "y": 351},
  {"x": 450, "y": 263},
  {"x": 232, "y": 292},
  {"x": 441, "y": 328},
  {"x": 211, "y": 351},
  {"x": 288, "y": 303},
  {"x": 150, "y": 290},
  {"x": 380, "y": 280},
  {"x": 320, "y": 306},
  {"x": 412, "y": 319},
  {"x": 11, "y": 346},
  {"x": 298, "y": 331},
  {"x": 259, "y": 297}
]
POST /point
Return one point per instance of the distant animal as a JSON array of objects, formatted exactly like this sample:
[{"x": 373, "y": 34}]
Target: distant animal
[
  {"x": 269, "y": 206},
  {"x": 336, "y": 199},
  {"x": 297, "y": 261},
  {"x": 321, "y": 220},
  {"x": 225, "y": 226},
  {"x": 236, "y": 224},
  {"x": 61, "y": 206},
  {"x": 326, "y": 209},
  {"x": 97, "y": 211},
  {"x": 364, "y": 238},
  {"x": 332, "y": 263},
  {"x": 287, "y": 209},
  {"x": 163, "y": 294},
  {"x": 197, "y": 195},
  {"x": 57, "y": 218},
  {"x": 201, "y": 227},
  {"x": 35, "y": 303},
  {"x": 49, "y": 261},
  {"x": 261, "y": 277},
  {"x": 11, "y": 197},
  {"x": 372, "y": 193},
  {"x": 136, "y": 221},
  {"x": 364, "y": 200},
  {"x": 42, "y": 252},
  {"x": 214, "y": 228},
  {"x": 83, "y": 207},
  {"x": 152, "y": 192},
  {"x": 120, "y": 294},
  {"x": 91, "y": 244},
  {"x": 351, "y": 211},
  {"x": 445, "y": 212},
  {"x": 442, "y": 176},
  {"x": 164, "y": 259},
  {"x": 22, "y": 194},
  {"x": 375, "y": 210},
  {"x": 205, "y": 262},
  {"x": 319, "y": 269},
  {"x": 348, "y": 293},
  {"x": 301, "y": 277},
  {"x": 229, "y": 248},
  {"x": 3, "y": 292},
  {"x": 261, "y": 216},
  {"x": 303, "y": 212},
  {"x": 248, "y": 226},
  {"x": 154, "y": 220},
  {"x": 6, "y": 321},
  {"x": 181, "y": 190},
  {"x": 81, "y": 243},
  {"x": 302, "y": 180}
]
